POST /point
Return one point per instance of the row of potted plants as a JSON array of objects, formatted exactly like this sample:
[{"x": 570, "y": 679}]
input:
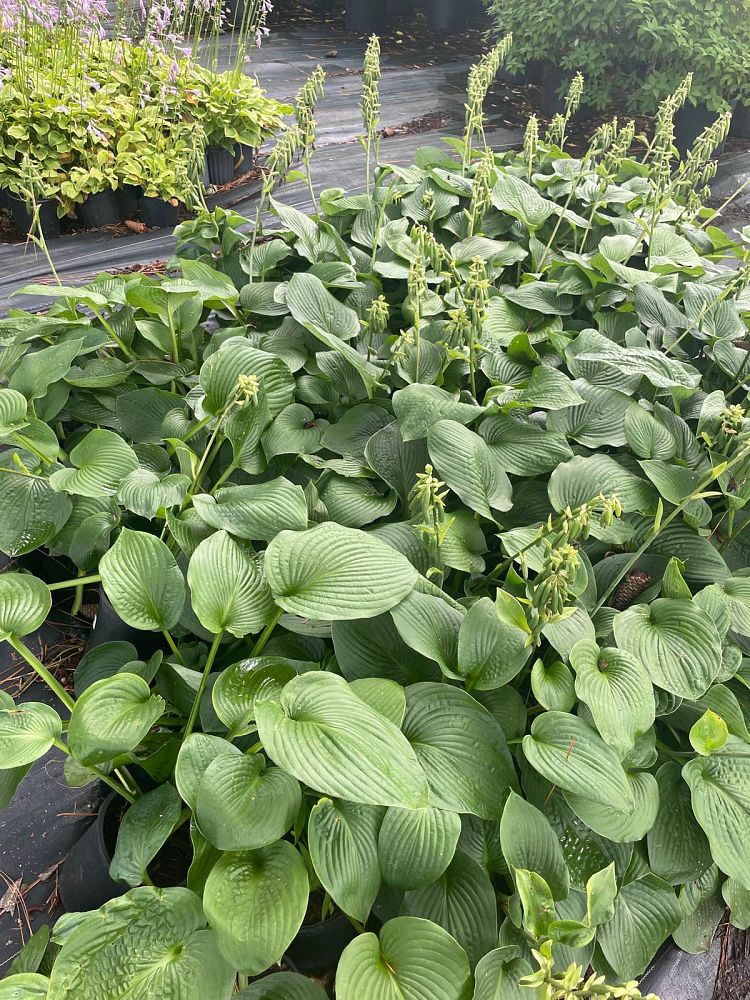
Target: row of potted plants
[
  {"x": 83, "y": 117},
  {"x": 424, "y": 516},
  {"x": 633, "y": 55}
]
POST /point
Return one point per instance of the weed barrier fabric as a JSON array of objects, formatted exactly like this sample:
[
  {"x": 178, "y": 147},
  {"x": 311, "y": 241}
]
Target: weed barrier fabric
[{"x": 676, "y": 975}]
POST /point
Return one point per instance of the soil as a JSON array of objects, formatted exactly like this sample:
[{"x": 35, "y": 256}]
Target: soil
[{"x": 733, "y": 979}]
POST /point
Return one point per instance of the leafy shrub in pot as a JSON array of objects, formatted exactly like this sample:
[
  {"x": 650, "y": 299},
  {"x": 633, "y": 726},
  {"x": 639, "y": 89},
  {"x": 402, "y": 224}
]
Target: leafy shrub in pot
[{"x": 439, "y": 510}]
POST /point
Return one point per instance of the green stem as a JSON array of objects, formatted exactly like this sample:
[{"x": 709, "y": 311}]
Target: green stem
[
  {"x": 114, "y": 785},
  {"x": 265, "y": 635},
  {"x": 202, "y": 686},
  {"x": 52, "y": 682},
  {"x": 79, "y": 581},
  {"x": 108, "y": 327},
  {"x": 172, "y": 645}
]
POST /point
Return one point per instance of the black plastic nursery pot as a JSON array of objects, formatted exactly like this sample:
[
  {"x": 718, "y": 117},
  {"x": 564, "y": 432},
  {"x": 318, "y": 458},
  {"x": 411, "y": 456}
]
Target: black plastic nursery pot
[
  {"x": 84, "y": 882},
  {"x": 109, "y": 627},
  {"x": 447, "y": 16},
  {"x": 100, "y": 209},
  {"x": 158, "y": 214},
  {"x": 23, "y": 217},
  {"x": 689, "y": 122},
  {"x": 128, "y": 197},
  {"x": 244, "y": 158},
  {"x": 318, "y": 947},
  {"x": 740, "y": 128},
  {"x": 4, "y": 198},
  {"x": 366, "y": 15},
  {"x": 220, "y": 163}
]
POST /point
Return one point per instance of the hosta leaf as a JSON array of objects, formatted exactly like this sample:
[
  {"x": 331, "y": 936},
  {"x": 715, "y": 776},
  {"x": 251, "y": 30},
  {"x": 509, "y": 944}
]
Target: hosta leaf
[
  {"x": 327, "y": 737},
  {"x": 343, "y": 843},
  {"x": 102, "y": 460},
  {"x": 372, "y": 647},
  {"x": 617, "y": 690},
  {"x": 702, "y": 908},
  {"x": 314, "y": 306},
  {"x": 239, "y": 686},
  {"x": 430, "y": 626},
  {"x": 296, "y": 430},
  {"x": 646, "y": 436},
  {"x": 143, "y": 582},
  {"x": 469, "y": 467},
  {"x": 350, "y": 434},
  {"x": 623, "y": 825},
  {"x": 581, "y": 479},
  {"x": 676, "y": 641},
  {"x": 519, "y": 199},
  {"x": 529, "y": 842},
  {"x": 415, "y": 846},
  {"x": 25, "y": 602},
  {"x": 283, "y": 985},
  {"x": 678, "y": 850},
  {"x": 144, "y": 829},
  {"x": 196, "y": 753},
  {"x": 27, "y": 731},
  {"x": 413, "y": 959},
  {"x": 598, "y": 421},
  {"x": 332, "y": 573},
  {"x": 142, "y": 413},
  {"x": 646, "y": 913},
  {"x": 498, "y": 974},
  {"x": 522, "y": 447},
  {"x": 738, "y": 901},
  {"x": 220, "y": 375},
  {"x": 227, "y": 587},
  {"x": 418, "y": 407},
  {"x": 13, "y": 408},
  {"x": 157, "y": 940},
  {"x": 461, "y": 748},
  {"x": 386, "y": 697},
  {"x": 258, "y": 512},
  {"x": 490, "y": 650},
  {"x": 256, "y": 902},
  {"x": 244, "y": 805},
  {"x": 571, "y": 754},
  {"x": 720, "y": 793},
  {"x": 24, "y": 986},
  {"x": 111, "y": 717},
  {"x": 462, "y": 902},
  {"x": 32, "y": 513},
  {"x": 144, "y": 492},
  {"x": 355, "y": 502},
  {"x": 396, "y": 461}
]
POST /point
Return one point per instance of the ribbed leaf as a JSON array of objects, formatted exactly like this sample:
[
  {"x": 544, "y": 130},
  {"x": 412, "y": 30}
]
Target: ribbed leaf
[
  {"x": 283, "y": 986},
  {"x": 25, "y": 602},
  {"x": 327, "y": 737},
  {"x": 497, "y": 976},
  {"x": 415, "y": 846},
  {"x": 102, "y": 460},
  {"x": 677, "y": 847},
  {"x": 196, "y": 753},
  {"x": 431, "y": 626},
  {"x": 523, "y": 448},
  {"x": 331, "y": 573},
  {"x": 396, "y": 461},
  {"x": 227, "y": 588},
  {"x": 343, "y": 843},
  {"x": 32, "y": 513},
  {"x": 623, "y": 825},
  {"x": 528, "y": 841},
  {"x": 372, "y": 647},
  {"x": 13, "y": 407},
  {"x": 414, "y": 959},
  {"x": 143, "y": 831},
  {"x": 27, "y": 732},
  {"x": 720, "y": 792},
  {"x": 469, "y": 467},
  {"x": 143, "y": 582},
  {"x": 111, "y": 717},
  {"x": 239, "y": 686},
  {"x": 418, "y": 407},
  {"x": 24, "y": 986},
  {"x": 258, "y": 512},
  {"x": 646, "y": 913},
  {"x": 220, "y": 375},
  {"x": 491, "y": 651},
  {"x": 256, "y": 902}
]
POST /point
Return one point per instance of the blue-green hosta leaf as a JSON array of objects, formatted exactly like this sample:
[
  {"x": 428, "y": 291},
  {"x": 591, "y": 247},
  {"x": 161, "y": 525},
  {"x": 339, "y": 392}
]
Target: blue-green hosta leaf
[
  {"x": 498, "y": 975},
  {"x": 27, "y": 731},
  {"x": 343, "y": 844},
  {"x": 720, "y": 793},
  {"x": 256, "y": 902},
  {"x": 529, "y": 842},
  {"x": 102, "y": 460},
  {"x": 396, "y": 461},
  {"x": 415, "y": 846},
  {"x": 413, "y": 959},
  {"x": 581, "y": 479},
  {"x": 33, "y": 513},
  {"x": 258, "y": 512},
  {"x": 522, "y": 447},
  {"x": 469, "y": 467},
  {"x": 350, "y": 434},
  {"x": 569, "y": 753},
  {"x": 646, "y": 436},
  {"x": 40, "y": 369},
  {"x": 216, "y": 288},
  {"x": 431, "y": 626},
  {"x": 241, "y": 685},
  {"x": 25, "y": 602},
  {"x": 196, "y": 753},
  {"x": 220, "y": 374},
  {"x": 227, "y": 588},
  {"x": 598, "y": 421},
  {"x": 519, "y": 199},
  {"x": 332, "y": 573},
  {"x": 386, "y": 697},
  {"x": 553, "y": 685},
  {"x": 646, "y": 913},
  {"x": 13, "y": 409},
  {"x": 702, "y": 908},
  {"x": 738, "y": 900},
  {"x": 418, "y": 407},
  {"x": 372, "y": 647},
  {"x": 676, "y": 641},
  {"x": 111, "y": 717},
  {"x": 617, "y": 689},
  {"x": 462, "y": 902},
  {"x": 491, "y": 651},
  {"x": 678, "y": 850},
  {"x": 461, "y": 748},
  {"x": 296, "y": 430},
  {"x": 355, "y": 502},
  {"x": 623, "y": 825},
  {"x": 331, "y": 740},
  {"x": 283, "y": 985},
  {"x": 243, "y": 805},
  {"x": 142, "y": 580},
  {"x": 144, "y": 492},
  {"x": 158, "y": 942},
  {"x": 143, "y": 831}
]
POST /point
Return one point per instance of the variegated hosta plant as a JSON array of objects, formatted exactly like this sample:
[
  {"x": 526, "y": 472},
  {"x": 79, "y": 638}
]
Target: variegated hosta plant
[{"x": 437, "y": 501}]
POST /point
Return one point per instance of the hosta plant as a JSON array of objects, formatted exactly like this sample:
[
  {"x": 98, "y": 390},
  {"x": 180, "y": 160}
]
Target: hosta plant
[{"x": 436, "y": 500}]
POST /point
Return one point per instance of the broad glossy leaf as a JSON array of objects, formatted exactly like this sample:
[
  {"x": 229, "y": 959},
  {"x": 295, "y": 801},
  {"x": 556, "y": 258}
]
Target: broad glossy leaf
[
  {"x": 24, "y": 986},
  {"x": 283, "y": 986},
  {"x": 461, "y": 748},
  {"x": 676, "y": 641},
  {"x": 396, "y": 461},
  {"x": 678, "y": 850},
  {"x": 27, "y": 732},
  {"x": 102, "y": 460},
  {"x": 738, "y": 900},
  {"x": 415, "y": 846},
  {"x": 418, "y": 407},
  {"x": 431, "y": 626},
  {"x": 498, "y": 974},
  {"x": 646, "y": 913},
  {"x": 519, "y": 199},
  {"x": 331, "y": 573},
  {"x": 702, "y": 908},
  {"x": 111, "y": 717},
  {"x": 622, "y": 825},
  {"x": 327, "y": 737},
  {"x": 239, "y": 686},
  {"x": 143, "y": 582},
  {"x": 258, "y": 512},
  {"x": 386, "y": 697},
  {"x": 256, "y": 902},
  {"x": 295, "y": 431},
  {"x": 158, "y": 942},
  {"x": 529, "y": 842},
  {"x": 33, "y": 513},
  {"x": 469, "y": 467},
  {"x": 227, "y": 587},
  {"x": 524, "y": 448},
  {"x": 144, "y": 492},
  {"x": 196, "y": 753},
  {"x": 242, "y": 804},
  {"x": 720, "y": 793},
  {"x": 25, "y": 602},
  {"x": 144, "y": 829},
  {"x": 571, "y": 754},
  {"x": 13, "y": 408},
  {"x": 220, "y": 374},
  {"x": 617, "y": 690},
  {"x": 490, "y": 650},
  {"x": 581, "y": 479},
  {"x": 343, "y": 844},
  {"x": 413, "y": 959}
]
